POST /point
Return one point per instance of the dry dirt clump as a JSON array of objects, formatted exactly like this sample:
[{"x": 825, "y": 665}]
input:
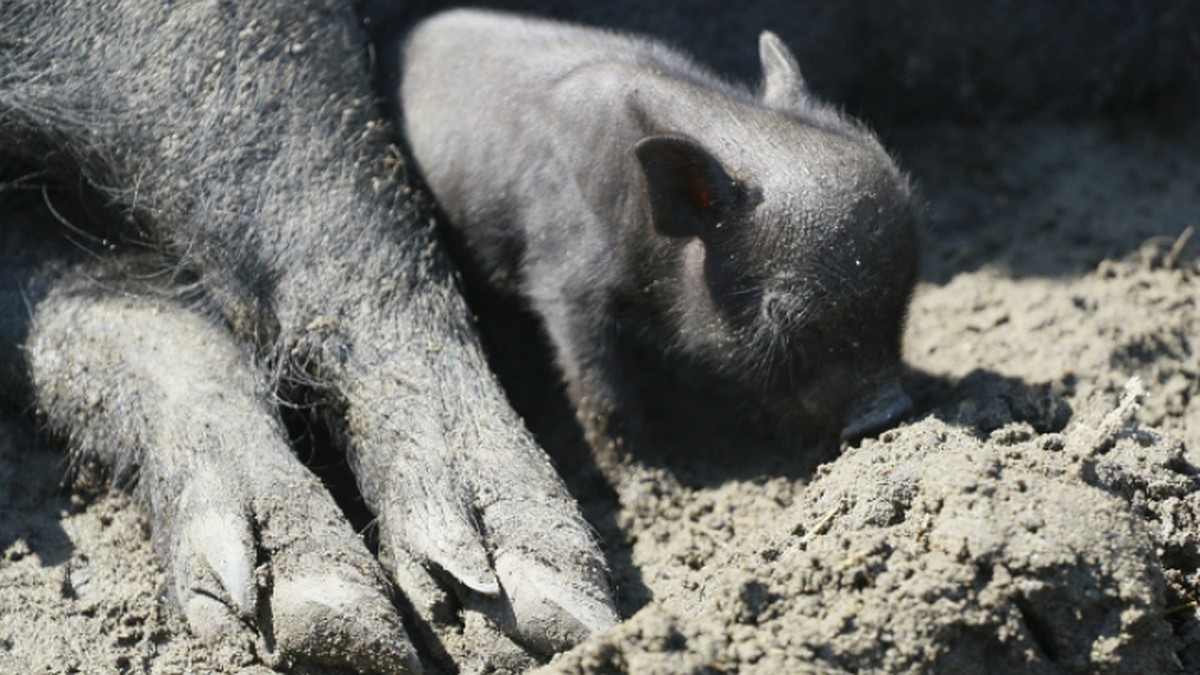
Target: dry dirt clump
[{"x": 937, "y": 548}]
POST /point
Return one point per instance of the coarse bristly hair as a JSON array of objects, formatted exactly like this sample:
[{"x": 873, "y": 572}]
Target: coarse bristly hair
[
  {"x": 244, "y": 143},
  {"x": 179, "y": 130}
]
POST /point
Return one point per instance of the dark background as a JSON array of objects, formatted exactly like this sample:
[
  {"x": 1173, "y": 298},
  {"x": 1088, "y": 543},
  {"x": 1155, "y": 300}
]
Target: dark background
[{"x": 899, "y": 61}]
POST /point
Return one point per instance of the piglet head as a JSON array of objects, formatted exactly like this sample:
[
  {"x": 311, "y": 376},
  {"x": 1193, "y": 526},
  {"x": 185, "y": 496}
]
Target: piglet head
[{"x": 795, "y": 282}]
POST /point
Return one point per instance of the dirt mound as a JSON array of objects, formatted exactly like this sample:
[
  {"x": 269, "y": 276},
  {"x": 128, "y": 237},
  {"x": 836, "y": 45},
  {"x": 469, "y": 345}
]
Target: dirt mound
[{"x": 937, "y": 547}]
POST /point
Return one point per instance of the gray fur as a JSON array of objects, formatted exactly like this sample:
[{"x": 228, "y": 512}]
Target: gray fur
[
  {"x": 624, "y": 190},
  {"x": 240, "y": 144}
]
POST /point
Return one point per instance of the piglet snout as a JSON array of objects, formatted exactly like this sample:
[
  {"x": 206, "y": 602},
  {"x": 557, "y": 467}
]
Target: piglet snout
[{"x": 877, "y": 411}]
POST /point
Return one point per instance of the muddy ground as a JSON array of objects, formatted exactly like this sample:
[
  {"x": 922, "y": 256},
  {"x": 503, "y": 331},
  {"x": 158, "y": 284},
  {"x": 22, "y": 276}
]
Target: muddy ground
[{"x": 1039, "y": 513}]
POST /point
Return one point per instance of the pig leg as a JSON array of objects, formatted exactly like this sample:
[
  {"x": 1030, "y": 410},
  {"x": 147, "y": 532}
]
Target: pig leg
[
  {"x": 591, "y": 349},
  {"x": 251, "y": 541},
  {"x": 268, "y": 178},
  {"x": 466, "y": 496}
]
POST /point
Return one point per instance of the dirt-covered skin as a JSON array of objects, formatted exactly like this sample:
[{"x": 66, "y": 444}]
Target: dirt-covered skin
[{"x": 1055, "y": 271}]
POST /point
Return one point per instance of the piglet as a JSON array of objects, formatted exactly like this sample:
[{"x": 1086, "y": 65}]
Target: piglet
[{"x": 628, "y": 193}]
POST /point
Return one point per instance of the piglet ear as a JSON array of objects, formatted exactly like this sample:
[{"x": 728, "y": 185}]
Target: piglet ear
[
  {"x": 688, "y": 189},
  {"x": 782, "y": 83}
]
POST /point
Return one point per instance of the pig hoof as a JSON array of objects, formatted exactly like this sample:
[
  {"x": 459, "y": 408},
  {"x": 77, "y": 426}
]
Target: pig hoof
[
  {"x": 507, "y": 543},
  {"x": 266, "y": 559},
  {"x": 256, "y": 552}
]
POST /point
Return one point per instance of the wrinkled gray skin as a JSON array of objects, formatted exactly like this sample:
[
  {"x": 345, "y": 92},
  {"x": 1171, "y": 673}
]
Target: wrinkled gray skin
[
  {"x": 260, "y": 236},
  {"x": 622, "y": 189}
]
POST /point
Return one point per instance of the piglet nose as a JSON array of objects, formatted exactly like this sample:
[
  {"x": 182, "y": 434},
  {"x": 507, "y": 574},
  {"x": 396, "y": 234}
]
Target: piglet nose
[{"x": 877, "y": 411}]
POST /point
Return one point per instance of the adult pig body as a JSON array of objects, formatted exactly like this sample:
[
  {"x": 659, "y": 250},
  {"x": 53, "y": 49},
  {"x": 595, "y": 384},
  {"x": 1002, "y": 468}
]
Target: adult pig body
[
  {"x": 238, "y": 147},
  {"x": 623, "y": 190}
]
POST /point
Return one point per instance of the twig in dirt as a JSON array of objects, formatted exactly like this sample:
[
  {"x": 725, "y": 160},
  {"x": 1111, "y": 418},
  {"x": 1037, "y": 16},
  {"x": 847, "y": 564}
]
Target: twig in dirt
[
  {"x": 856, "y": 559},
  {"x": 822, "y": 525},
  {"x": 1180, "y": 608},
  {"x": 1115, "y": 421},
  {"x": 1181, "y": 242}
]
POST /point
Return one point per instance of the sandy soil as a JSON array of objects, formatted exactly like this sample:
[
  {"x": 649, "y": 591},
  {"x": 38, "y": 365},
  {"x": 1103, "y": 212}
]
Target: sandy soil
[{"x": 1039, "y": 514}]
